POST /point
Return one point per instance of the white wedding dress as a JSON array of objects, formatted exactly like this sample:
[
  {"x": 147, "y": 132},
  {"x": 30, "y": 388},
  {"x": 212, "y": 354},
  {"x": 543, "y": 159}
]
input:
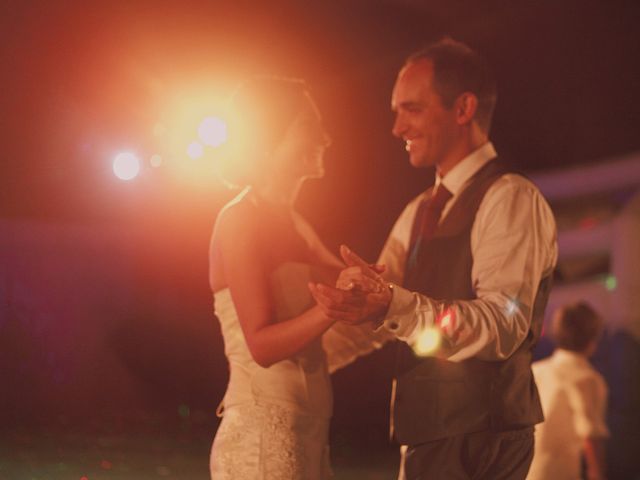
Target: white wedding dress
[{"x": 275, "y": 420}]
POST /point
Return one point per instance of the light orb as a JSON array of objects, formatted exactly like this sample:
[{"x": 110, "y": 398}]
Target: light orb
[
  {"x": 126, "y": 166},
  {"x": 428, "y": 341},
  {"x": 611, "y": 283},
  {"x": 212, "y": 131},
  {"x": 155, "y": 160},
  {"x": 195, "y": 150}
]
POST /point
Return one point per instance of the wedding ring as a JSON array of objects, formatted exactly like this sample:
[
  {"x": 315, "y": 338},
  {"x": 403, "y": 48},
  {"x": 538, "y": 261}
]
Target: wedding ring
[{"x": 350, "y": 286}]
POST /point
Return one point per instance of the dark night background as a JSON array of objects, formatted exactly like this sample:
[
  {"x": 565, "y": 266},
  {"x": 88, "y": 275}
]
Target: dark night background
[{"x": 106, "y": 316}]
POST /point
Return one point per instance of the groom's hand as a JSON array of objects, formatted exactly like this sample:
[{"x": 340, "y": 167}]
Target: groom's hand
[
  {"x": 337, "y": 304},
  {"x": 360, "y": 295},
  {"x": 353, "y": 307},
  {"x": 359, "y": 276}
]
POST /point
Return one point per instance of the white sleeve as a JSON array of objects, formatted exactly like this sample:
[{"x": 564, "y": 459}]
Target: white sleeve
[
  {"x": 589, "y": 403},
  {"x": 513, "y": 243},
  {"x": 344, "y": 343}
]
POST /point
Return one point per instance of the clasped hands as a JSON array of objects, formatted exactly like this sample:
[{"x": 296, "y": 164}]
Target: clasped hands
[{"x": 360, "y": 293}]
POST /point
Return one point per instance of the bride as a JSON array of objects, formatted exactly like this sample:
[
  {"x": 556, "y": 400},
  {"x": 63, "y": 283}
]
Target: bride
[{"x": 280, "y": 345}]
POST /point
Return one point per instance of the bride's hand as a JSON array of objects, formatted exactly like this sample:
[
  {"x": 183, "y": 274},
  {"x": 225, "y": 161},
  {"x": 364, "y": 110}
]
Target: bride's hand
[
  {"x": 359, "y": 276},
  {"x": 349, "y": 307}
]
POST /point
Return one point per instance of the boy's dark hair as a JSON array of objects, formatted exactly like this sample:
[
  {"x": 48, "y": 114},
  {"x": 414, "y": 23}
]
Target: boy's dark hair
[{"x": 575, "y": 326}]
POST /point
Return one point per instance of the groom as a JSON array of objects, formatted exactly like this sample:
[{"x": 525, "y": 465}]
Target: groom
[{"x": 468, "y": 270}]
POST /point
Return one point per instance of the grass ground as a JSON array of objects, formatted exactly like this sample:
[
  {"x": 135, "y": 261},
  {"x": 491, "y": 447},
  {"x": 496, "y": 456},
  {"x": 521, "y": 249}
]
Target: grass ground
[{"x": 181, "y": 453}]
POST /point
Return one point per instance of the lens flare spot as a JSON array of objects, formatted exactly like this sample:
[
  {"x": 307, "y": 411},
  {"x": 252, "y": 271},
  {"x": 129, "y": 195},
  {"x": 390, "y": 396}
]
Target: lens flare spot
[
  {"x": 428, "y": 341},
  {"x": 195, "y": 150},
  {"x": 126, "y": 166},
  {"x": 156, "y": 160},
  {"x": 611, "y": 283},
  {"x": 212, "y": 131}
]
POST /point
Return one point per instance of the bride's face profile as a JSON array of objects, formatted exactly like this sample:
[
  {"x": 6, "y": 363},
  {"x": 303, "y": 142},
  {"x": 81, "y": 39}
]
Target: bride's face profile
[
  {"x": 300, "y": 152},
  {"x": 276, "y": 135}
]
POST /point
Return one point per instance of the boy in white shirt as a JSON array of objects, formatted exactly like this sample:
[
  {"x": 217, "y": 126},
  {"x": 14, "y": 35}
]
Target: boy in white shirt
[{"x": 573, "y": 396}]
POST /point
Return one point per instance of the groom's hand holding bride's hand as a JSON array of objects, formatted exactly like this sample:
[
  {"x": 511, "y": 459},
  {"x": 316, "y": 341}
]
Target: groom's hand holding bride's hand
[{"x": 360, "y": 294}]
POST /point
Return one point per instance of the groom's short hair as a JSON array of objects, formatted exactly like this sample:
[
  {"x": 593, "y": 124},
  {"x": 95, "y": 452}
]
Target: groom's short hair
[{"x": 458, "y": 69}]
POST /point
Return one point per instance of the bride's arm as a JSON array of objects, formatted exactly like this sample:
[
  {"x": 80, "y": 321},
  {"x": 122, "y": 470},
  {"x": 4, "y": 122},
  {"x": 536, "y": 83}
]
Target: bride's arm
[
  {"x": 342, "y": 343},
  {"x": 247, "y": 276}
]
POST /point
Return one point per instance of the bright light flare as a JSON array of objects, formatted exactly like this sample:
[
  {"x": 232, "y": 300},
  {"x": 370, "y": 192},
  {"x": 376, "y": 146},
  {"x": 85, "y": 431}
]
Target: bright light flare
[
  {"x": 126, "y": 166},
  {"x": 511, "y": 308},
  {"x": 446, "y": 320},
  {"x": 195, "y": 150},
  {"x": 212, "y": 131},
  {"x": 428, "y": 341},
  {"x": 182, "y": 113}
]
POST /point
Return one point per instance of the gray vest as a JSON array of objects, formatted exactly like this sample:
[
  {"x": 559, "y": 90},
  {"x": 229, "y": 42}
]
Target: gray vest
[{"x": 435, "y": 398}]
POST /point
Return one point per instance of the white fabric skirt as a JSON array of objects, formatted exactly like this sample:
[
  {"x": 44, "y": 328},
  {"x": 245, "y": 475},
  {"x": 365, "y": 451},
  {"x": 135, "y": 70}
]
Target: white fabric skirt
[{"x": 270, "y": 442}]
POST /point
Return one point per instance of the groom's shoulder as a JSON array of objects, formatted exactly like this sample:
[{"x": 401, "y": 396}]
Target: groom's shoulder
[
  {"x": 404, "y": 221},
  {"x": 413, "y": 204}
]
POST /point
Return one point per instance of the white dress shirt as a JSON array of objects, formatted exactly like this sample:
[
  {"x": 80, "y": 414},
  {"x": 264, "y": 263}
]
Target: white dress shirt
[
  {"x": 513, "y": 244},
  {"x": 574, "y": 400}
]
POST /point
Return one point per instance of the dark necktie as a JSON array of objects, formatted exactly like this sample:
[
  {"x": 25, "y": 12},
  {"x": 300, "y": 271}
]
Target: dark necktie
[{"x": 428, "y": 215}]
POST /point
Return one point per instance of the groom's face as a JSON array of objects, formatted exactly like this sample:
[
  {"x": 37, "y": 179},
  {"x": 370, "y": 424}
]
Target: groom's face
[{"x": 428, "y": 128}]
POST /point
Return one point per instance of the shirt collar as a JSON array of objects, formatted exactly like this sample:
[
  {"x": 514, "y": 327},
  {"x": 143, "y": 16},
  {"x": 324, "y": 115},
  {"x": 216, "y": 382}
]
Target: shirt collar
[{"x": 458, "y": 176}]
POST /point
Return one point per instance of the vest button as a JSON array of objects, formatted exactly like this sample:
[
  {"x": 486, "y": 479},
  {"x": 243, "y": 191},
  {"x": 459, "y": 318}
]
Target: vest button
[{"x": 393, "y": 325}]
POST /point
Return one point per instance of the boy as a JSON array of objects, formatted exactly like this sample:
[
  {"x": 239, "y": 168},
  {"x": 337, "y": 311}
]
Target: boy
[{"x": 573, "y": 399}]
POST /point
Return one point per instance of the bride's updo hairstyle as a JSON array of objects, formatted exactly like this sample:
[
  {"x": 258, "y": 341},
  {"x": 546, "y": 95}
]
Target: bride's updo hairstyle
[{"x": 260, "y": 111}]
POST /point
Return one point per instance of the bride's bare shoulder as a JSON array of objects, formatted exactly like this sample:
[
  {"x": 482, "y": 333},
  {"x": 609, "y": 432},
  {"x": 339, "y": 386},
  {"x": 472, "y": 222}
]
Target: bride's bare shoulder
[{"x": 236, "y": 217}]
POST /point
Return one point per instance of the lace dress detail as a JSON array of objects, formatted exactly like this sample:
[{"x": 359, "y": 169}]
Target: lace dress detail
[
  {"x": 275, "y": 423},
  {"x": 270, "y": 442}
]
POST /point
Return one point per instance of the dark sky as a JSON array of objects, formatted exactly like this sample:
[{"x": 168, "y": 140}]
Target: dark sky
[{"x": 84, "y": 79}]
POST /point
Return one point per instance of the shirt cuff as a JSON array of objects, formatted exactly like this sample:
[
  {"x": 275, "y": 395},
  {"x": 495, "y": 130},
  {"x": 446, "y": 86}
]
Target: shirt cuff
[{"x": 406, "y": 313}]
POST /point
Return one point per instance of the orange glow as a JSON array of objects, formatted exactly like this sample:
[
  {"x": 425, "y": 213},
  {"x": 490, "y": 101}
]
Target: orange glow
[
  {"x": 159, "y": 129},
  {"x": 126, "y": 166},
  {"x": 181, "y": 115}
]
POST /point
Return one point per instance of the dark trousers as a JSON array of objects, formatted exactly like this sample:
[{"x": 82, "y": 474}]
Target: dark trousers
[{"x": 475, "y": 456}]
